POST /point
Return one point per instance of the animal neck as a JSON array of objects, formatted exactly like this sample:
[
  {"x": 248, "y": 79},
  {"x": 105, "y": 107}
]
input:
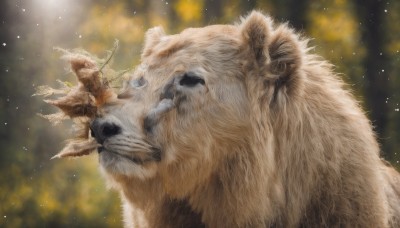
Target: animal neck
[{"x": 239, "y": 185}]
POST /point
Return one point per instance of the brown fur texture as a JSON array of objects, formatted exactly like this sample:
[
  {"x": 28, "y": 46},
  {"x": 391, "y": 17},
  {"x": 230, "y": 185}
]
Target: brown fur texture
[
  {"x": 80, "y": 102},
  {"x": 240, "y": 126}
]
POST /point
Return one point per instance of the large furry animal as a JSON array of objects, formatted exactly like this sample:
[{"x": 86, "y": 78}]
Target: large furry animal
[{"x": 240, "y": 126}]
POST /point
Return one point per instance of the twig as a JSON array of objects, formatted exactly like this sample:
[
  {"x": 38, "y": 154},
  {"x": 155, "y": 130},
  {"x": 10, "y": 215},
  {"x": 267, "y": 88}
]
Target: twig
[{"x": 108, "y": 59}]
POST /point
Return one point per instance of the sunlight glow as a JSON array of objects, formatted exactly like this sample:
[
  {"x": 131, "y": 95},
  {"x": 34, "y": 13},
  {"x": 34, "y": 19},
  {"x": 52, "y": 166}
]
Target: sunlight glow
[{"x": 49, "y": 5}]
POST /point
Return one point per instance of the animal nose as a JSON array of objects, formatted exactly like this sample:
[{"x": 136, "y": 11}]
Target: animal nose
[{"x": 101, "y": 131}]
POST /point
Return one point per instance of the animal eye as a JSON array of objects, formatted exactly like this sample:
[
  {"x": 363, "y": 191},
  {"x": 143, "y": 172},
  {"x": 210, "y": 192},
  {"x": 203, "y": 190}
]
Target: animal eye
[
  {"x": 137, "y": 83},
  {"x": 191, "y": 80}
]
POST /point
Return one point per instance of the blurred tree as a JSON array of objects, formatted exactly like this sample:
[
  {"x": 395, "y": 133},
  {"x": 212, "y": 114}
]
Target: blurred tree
[
  {"x": 293, "y": 11},
  {"x": 392, "y": 49},
  {"x": 213, "y": 11},
  {"x": 6, "y": 49},
  {"x": 34, "y": 192},
  {"x": 373, "y": 34},
  {"x": 247, "y": 6}
]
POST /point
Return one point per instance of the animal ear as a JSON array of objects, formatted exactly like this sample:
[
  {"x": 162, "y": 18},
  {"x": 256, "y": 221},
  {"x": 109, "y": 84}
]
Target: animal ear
[
  {"x": 152, "y": 37},
  {"x": 256, "y": 30},
  {"x": 285, "y": 51}
]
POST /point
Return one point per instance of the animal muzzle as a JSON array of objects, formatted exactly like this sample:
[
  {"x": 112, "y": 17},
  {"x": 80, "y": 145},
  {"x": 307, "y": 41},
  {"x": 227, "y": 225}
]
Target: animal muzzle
[{"x": 103, "y": 130}]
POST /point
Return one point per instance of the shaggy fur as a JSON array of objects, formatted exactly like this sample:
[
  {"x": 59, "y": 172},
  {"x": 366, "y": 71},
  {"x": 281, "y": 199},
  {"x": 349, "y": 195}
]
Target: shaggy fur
[{"x": 240, "y": 126}]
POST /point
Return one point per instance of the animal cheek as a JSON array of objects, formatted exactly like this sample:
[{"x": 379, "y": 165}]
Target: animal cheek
[{"x": 156, "y": 114}]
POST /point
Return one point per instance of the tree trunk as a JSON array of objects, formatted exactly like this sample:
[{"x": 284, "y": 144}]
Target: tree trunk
[
  {"x": 371, "y": 17},
  {"x": 247, "y": 6},
  {"x": 213, "y": 11},
  {"x": 294, "y": 11}
]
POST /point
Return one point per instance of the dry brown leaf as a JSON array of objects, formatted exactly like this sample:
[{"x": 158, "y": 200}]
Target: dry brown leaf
[
  {"x": 77, "y": 148},
  {"x": 82, "y": 101}
]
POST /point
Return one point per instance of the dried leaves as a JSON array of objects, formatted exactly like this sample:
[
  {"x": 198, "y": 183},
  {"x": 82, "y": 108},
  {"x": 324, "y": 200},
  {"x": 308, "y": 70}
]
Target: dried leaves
[{"x": 82, "y": 101}]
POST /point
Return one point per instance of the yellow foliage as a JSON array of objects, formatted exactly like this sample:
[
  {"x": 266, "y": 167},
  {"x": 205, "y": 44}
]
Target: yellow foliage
[
  {"x": 189, "y": 10},
  {"x": 338, "y": 35},
  {"x": 107, "y": 24}
]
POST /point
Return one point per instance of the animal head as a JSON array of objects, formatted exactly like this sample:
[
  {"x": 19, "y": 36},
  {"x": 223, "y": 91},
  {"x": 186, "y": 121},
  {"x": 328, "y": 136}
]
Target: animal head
[{"x": 197, "y": 97}]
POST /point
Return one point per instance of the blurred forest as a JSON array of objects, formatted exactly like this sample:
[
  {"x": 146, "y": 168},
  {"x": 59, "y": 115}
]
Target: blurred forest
[{"x": 360, "y": 37}]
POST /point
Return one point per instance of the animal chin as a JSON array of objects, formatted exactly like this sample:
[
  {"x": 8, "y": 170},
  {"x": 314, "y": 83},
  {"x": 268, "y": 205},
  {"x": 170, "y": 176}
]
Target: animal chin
[{"x": 136, "y": 158}]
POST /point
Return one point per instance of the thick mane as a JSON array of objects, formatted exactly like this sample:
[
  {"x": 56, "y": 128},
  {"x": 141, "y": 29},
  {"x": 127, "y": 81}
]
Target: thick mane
[{"x": 322, "y": 137}]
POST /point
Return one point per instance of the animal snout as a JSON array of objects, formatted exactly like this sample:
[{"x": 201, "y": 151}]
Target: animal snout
[{"x": 103, "y": 130}]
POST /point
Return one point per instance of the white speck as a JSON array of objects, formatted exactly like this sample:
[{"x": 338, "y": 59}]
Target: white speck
[
  {"x": 80, "y": 36},
  {"x": 28, "y": 128},
  {"x": 396, "y": 109},
  {"x": 18, "y": 37},
  {"x": 354, "y": 53},
  {"x": 380, "y": 53},
  {"x": 23, "y": 10},
  {"x": 37, "y": 24},
  {"x": 134, "y": 12},
  {"x": 5, "y": 124},
  {"x": 16, "y": 108},
  {"x": 8, "y": 100},
  {"x": 4, "y": 44},
  {"x": 24, "y": 148},
  {"x": 397, "y": 161},
  {"x": 166, "y": 3},
  {"x": 59, "y": 17},
  {"x": 5, "y": 216},
  {"x": 385, "y": 10},
  {"x": 7, "y": 70},
  {"x": 383, "y": 70}
]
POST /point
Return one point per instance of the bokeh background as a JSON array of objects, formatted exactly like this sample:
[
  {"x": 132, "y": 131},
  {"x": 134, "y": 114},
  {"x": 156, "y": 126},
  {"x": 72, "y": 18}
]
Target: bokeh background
[{"x": 360, "y": 37}]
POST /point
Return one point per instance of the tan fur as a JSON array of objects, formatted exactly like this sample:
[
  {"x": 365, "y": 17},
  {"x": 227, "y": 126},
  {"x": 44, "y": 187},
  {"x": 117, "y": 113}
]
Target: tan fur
[{"x": 271, "y": 139}]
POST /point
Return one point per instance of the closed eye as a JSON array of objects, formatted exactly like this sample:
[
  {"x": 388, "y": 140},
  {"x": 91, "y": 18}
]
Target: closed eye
[{"x": 191, "y": 80}]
